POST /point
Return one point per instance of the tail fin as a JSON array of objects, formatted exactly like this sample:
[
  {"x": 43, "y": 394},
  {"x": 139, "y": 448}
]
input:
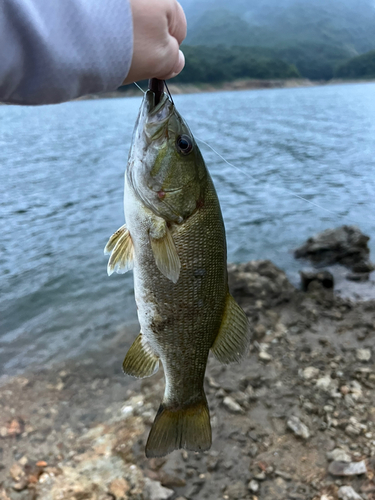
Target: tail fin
[{"x": 176, "y": 428}]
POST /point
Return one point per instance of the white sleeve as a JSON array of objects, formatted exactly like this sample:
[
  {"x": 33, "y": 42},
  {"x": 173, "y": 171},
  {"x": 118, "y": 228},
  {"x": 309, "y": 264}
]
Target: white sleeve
[{"x": 56, "y": 50}]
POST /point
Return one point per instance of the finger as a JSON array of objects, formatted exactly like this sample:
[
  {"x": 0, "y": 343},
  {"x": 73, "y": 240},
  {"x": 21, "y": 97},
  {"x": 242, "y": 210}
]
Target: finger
[
  {"x": 177, "y": 24},
  {"x": 179, "y": 66}
]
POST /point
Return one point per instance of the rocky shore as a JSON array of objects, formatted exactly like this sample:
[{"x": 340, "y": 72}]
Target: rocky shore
[{"x": 295, "y": 420}]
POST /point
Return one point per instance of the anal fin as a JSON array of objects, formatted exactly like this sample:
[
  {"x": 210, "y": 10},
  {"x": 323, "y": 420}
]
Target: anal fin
[
  {"x": 234, "y": 335},
  {"x": 120, "y": 246},
  {"x": 174, "y": 428},
  {"x": 140, "y": 361}
]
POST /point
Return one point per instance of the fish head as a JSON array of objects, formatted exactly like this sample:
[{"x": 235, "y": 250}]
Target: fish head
[{"x": 166, "y": 168}]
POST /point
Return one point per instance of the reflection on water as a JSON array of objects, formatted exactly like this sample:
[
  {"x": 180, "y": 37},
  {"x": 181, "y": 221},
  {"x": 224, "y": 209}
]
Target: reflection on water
[{"x": 61, "y": 188}]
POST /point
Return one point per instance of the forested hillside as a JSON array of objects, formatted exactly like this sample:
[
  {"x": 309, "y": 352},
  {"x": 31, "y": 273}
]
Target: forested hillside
[
  {"x": 213, "y": 65},
  {"x": 316, "y": 36},
  {"x": 358, "y": 67}
]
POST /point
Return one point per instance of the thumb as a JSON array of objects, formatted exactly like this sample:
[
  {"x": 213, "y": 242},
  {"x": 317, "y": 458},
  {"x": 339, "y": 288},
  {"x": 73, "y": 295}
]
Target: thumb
[{"x": 175, "y": 63}]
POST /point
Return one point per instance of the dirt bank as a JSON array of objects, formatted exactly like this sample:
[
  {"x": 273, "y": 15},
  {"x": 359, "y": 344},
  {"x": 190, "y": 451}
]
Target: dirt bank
[
  {"x": 295, "y": 420},
  {"x": 244, "y": 84}
]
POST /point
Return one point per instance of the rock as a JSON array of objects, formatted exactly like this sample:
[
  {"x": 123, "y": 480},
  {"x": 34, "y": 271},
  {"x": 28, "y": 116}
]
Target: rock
[
  {"x": 355, "y": 428},
  {"x": 231, "y": 405},
  {"x": 324, "y": 278},
  {"x": 347, "y": 469},
  {"x": 261, "y": 476},
  {"x": 325, "y": 383},
  {"x": 299, "y": 428},
  {"x": 14, "y": 428},
  {"x": 156, "y": 491},
  {"x": 359, "y": 277},
  {"x": 363, "y": 354},
  {"x": 283, "y": 474},
  {"x": 259, "y": 280},
  {"x": 119, "y": 488},
  {"x": 171, "y": 481},
  {"x": 265, "y": 356},
  {"x": 347, "y": 493},
  {"x": 237, "y": 491},
  {"x": 346, "y": 245},
  {"x": 339, "y": 455},
  {"x": 259, "y": 331},
  {"x": 253, "y": 486},
  {"x": 16, "y": 472},
  {"x": 310, "y": 373}
]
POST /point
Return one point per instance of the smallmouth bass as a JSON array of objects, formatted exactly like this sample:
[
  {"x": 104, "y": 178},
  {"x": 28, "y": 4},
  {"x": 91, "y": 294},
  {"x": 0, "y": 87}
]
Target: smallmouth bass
[{"x": 174, "y": 239}]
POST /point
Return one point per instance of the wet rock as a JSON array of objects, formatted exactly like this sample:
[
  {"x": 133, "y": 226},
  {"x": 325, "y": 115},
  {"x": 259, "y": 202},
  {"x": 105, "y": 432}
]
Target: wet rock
[
  {"x": 323, "y": 278},
  {"x": 339, "y": 455},
  {"x": 156, "y": 491},
  {"x": 347, "y": 493},
  {"x": 347, "y": 469},
  {"x": 346, "y": 245},
  {"x": 363, "y": 354},
  {"x": 231, "y": 405},
  {"x": 298, "y": 427},
  {"x": 259, "y": 280}
]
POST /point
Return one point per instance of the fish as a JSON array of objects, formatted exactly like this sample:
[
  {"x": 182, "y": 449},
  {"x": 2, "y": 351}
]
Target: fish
[{"x": 174, "y": 240}]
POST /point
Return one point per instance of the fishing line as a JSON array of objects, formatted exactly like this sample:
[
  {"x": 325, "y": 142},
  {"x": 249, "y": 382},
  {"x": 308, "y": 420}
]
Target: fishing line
[
  {"x": 335, "y": 214},
  {"x": 170, "y": 95},
  {"x": 292, "y": 193},
  {"x": 136, "y": 84}
]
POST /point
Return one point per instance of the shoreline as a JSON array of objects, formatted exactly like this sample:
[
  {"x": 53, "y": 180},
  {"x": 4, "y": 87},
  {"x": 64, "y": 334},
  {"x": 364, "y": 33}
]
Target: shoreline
[
  {"x": 235, "y": 85},
  {"x": 301, "y": 403}
]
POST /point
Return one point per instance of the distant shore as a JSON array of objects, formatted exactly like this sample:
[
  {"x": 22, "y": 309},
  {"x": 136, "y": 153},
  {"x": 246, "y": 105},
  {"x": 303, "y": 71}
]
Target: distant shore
[{"x": 243, "y": 84}]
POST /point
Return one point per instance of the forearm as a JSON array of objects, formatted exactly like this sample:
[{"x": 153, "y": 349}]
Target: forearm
[{"x": 58, "y": 50}]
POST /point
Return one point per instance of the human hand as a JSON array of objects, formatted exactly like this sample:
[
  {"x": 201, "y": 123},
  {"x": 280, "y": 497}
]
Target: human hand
[{"x": 159, "y": 27}]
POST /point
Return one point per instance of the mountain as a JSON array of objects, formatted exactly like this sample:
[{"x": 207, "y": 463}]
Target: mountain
[
  {"x": 348, "y": 23},
  {"x": 316, "y": 36},
  {"x": 362, "y": 66}
]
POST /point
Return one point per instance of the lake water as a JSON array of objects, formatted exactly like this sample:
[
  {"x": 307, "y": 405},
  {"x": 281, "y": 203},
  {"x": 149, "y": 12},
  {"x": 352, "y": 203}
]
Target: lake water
[{"x": 61, "y": 189}]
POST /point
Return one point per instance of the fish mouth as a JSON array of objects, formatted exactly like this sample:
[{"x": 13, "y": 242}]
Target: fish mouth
[{"x": 155, "y": 117}]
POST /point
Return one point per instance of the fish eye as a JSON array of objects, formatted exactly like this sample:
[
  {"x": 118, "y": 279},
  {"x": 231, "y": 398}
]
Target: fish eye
[{"x": 184, "y": 144}]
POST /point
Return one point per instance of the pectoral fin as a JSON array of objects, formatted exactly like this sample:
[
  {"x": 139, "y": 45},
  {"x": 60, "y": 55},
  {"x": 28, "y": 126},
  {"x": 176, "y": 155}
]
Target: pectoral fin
[
  {"x": 165, "y": 253},
  {"x": 140, "y": 361},
  {"x": 233, "y": 338},
  {"x": 120, "y": 246}
]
